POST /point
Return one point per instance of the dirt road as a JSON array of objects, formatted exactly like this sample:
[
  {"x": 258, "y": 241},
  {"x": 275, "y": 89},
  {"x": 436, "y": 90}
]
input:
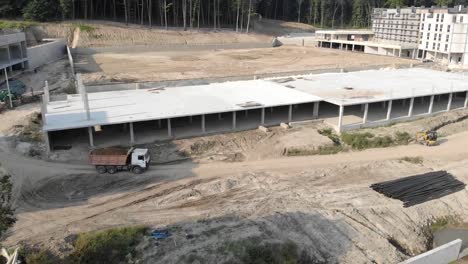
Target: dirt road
[{"x": 55, "y": 200}]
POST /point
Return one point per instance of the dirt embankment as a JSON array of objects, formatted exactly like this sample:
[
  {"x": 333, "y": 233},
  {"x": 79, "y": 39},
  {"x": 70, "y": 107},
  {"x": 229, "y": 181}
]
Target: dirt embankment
[{"x": 113, "y": 34}]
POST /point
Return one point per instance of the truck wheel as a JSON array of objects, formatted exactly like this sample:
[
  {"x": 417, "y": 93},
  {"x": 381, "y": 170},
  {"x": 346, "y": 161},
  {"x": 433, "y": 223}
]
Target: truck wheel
[
  {"x": 111, "y": 170},
  {"x": 137, "y": 170},
  {"x": 101, "y": 169}
]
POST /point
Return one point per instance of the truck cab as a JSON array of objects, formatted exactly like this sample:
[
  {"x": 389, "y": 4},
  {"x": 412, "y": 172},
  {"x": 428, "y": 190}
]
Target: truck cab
[{"x": 140, "y": 158}]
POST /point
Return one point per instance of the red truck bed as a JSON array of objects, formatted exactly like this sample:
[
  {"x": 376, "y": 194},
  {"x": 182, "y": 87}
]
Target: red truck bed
[{"x": 109, "y": 156}]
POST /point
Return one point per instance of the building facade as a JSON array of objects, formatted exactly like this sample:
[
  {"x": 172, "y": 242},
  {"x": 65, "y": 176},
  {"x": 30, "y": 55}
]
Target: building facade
[
  {"x": 444, "y": 35},
  {"x": 397, "y": 25},
  {"x": 13, "y": 51}
]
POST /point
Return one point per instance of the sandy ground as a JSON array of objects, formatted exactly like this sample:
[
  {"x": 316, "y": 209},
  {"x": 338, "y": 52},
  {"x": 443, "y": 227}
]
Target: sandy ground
[
  {"x": 322, "y": 203},
  {"x": 155, "y": 66}
]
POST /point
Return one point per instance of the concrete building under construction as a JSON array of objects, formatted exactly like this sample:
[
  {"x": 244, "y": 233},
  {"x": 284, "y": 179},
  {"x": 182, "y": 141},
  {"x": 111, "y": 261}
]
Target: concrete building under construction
[{"x": 345, "y": 101}]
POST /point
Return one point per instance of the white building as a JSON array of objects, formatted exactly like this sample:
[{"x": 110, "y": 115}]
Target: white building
[
  {"x": 444, "y": 35},
  {"x": 397, "y": 25}
]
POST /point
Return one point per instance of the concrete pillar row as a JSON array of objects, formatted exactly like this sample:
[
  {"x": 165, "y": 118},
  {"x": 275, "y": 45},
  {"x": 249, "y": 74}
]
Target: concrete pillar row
[
  {"x": 262, "y": 122},
  {"x": 169, "y": 128},
  {"x": 389, "y": 110},
  {"x": 91, "y": 137},
  {"x": 431, "y": 105},
  {"x": 366, "y": 113},
  {"x": 203, "y": 125},
  {"x": 316, "y": 110},
  {"x": 449, "y": 105},
  {"x": 234, "y": 120},
  {"x": 466, "y": 100},
  {"x": 132, "y": 134},
  {"x": 340, "y": 118},
  {"x": 411, "y": 105}
]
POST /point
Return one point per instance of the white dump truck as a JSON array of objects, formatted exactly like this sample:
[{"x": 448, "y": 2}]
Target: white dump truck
[{"x": 112, "y": 160}]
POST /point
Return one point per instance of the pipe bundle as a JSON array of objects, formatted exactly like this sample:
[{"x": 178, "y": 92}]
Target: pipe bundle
[{"x": 420, "y": 188}]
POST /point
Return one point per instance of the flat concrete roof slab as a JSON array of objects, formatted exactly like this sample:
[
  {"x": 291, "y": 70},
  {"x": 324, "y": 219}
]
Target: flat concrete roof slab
[
  {"x": 378, "y": 85},
  {"x": 152, "y": 104}
]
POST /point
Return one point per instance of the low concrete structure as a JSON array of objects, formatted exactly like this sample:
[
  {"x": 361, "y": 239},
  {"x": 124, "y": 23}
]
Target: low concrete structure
[
  {"x": 50, "y": 51},
  {"x": 445, "y": 254},
  {"x": 363, "y": 41},
  {"x": 346, "y": 101}
]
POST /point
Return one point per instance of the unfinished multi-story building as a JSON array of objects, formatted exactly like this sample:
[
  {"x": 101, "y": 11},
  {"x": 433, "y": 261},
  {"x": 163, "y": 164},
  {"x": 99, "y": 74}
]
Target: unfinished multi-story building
[
  {"x": 444, "y": 35},
  {"x": 13, "y": 51},
  {"x": 397, "y": 25}
]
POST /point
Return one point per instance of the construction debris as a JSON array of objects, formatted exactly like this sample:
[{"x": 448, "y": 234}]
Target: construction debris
[{"x": 419, "y": 189}]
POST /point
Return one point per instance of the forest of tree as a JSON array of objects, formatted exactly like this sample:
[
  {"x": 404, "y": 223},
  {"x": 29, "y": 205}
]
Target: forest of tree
[{"x": 236, "y": 14}]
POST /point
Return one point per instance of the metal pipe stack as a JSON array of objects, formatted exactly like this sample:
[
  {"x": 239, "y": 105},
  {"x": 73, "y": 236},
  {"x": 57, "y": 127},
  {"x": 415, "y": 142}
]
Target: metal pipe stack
[{"x": 421, "y": 188}]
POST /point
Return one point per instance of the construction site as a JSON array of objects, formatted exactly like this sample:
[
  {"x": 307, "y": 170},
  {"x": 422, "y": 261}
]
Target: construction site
[{"x": 241, "y": 144}]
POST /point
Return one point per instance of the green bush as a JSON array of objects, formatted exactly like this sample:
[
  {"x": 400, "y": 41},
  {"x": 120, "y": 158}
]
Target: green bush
[
  {"x": 366, "y": 140},
  {"x": 402, "y": 138},
  {"x": 110, "y": 246},
  {"x": 328, "y": 132},
  {"x": 84, "y": 27},
  {"x": 256, "y": 251},
  {"x": 42, "y": 257},
  {"x": 321, "y": 150}
]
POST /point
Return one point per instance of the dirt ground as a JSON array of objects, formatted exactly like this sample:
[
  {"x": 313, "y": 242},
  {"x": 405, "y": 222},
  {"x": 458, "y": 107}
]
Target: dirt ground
[
  {"x": 156, "y": 66},
  {"x": 322, "y": 203}
]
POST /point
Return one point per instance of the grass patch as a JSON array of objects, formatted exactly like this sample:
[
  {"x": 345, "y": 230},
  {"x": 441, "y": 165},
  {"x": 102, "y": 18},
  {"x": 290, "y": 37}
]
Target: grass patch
[
  {"x": 321, "y": 150},
  {"x": 109, "y": 246},
  {"x": 254, "y": 250},
  {"x": 402, "y": 138},
  {"x": 21, "y": 25},
  {"x": 84, "y": 27},
  {"x": 366, "y": 140},
  {"x": 414, "y": 160},
  {"x": 41, "y": 257},
  {"x": 328, "y": 132}
]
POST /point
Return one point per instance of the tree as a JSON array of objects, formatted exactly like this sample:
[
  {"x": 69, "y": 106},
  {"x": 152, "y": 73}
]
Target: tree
[
  {"x": 299, "y": 6},
  {"x": 395, "y": 3},
  {"x": 42, "y": 10}
]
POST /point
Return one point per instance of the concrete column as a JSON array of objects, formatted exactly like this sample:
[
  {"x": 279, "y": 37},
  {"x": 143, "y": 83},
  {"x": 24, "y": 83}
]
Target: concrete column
[
  {"x": 422, "y": 100},
  {"x": 431, "y": 105},
  {"x": 159, "y": 123},
  {"x": 341, "y": 46},
  {"x": 384, "y": 104},
  {"x": 366, "y": 113},
  {"x": 394, "y": 53},
  {"x": 46, "y": 92},
  {"x": 410, "y": 111},
  {"x": 220, "y": 117},
  {"x": 399, "y": 53},
  {"x": 43, "y": 110},
  {"x": 91, "y": 138},
  {"x": 466, "y": 100},
  {"x": 404, "y": 102},
  {"x": 263, "y": 117},
  {"x": 290, "y": 113},
  {"x": 352, "y": 48},
  {"x": 389, "y": 110},
  {"x": 132, "y": 134},
  {"x": 449, "y": 105},
  {"x": 191, "y": 119},
  {"x": 246, "y": 113},
  {"x": 169, "y": 128},
  {"x": 47, "y": 141},
  {"x": 340, "y": 118},
  {"x": 316, "y": 109},
  {"x": 203, "y": 126},
  {"x": 234, "y": 126}
]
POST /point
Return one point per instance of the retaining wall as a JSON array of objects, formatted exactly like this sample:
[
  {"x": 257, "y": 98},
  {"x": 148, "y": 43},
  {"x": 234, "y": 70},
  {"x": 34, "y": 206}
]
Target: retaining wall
[{"x": 46, "y": 53}]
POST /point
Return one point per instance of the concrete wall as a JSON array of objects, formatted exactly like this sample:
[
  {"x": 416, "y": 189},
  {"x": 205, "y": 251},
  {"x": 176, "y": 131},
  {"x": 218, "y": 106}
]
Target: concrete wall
[
  {"x": 445, "y": 254},
  {"x": 46, "y": 53}
]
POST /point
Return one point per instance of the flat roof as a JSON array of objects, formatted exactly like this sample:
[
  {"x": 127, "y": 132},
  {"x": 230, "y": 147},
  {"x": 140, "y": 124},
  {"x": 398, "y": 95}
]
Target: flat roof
[
  {"x": 344, "y": 32},
  {"x": 118, "y": 107},
  {"x": 342, "y": 89},
  {"x": 378, "y": 85}
]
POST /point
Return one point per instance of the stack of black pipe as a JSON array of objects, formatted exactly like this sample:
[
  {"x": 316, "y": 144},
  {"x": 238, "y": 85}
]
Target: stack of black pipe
[{"x": 420, "y": 188}]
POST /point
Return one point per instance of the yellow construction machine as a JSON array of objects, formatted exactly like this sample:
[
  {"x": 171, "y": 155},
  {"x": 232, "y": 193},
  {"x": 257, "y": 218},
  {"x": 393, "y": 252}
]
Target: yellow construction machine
[{"x": 428, "y": 138}]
